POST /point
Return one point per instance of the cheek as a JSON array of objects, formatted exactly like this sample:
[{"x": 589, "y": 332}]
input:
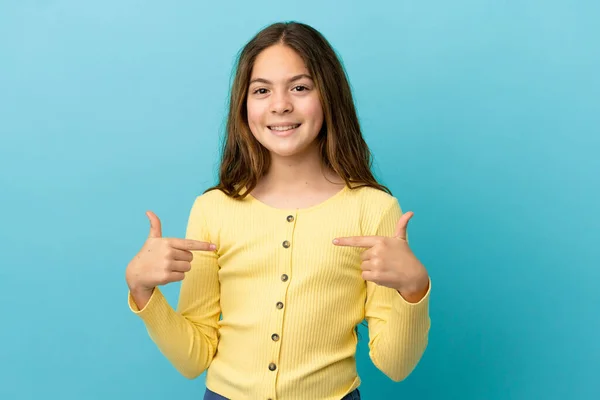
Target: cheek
[
  {"x": 315, "y": 111},
  {"x": 255, "y": 113}
]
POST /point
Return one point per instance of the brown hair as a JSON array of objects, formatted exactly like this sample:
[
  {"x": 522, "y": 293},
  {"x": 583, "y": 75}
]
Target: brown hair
[{"x": 342, "y": 146}]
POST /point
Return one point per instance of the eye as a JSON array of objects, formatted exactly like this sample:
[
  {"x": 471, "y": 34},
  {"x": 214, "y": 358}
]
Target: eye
[
  {"x": 300, "y": 88},
  {"x": 260, "y": 91}
]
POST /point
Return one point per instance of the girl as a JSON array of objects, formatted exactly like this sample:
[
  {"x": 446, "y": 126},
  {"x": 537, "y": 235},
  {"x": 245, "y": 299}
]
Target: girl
[{"x": 294, "y": 247}]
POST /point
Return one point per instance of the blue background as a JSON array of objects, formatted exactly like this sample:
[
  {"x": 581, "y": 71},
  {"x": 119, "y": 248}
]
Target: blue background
[{"x": 484, "y": 120}]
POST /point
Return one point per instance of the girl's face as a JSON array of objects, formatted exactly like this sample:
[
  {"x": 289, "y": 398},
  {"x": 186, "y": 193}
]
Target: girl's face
[{"x": 284, "y": 109}]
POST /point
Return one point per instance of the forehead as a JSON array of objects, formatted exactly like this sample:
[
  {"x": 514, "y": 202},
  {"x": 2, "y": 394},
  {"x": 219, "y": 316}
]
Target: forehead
[{"x": 278, "y": 61}]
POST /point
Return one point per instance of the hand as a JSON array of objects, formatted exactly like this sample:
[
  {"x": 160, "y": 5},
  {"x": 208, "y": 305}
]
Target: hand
[
  {"x": 389, "y": 261},
  {"x": 161, "y": 260}
]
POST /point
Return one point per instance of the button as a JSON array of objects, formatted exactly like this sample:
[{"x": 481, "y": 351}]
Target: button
[
  {"x": 286, "y": 244},
  {"x": 284, "y": 278},
  {"x": 279, "y": 305},
  {"x": 290, "y": 218},
  {"x": 275, "y": 337},
  {"x": 272, "y": 366}
]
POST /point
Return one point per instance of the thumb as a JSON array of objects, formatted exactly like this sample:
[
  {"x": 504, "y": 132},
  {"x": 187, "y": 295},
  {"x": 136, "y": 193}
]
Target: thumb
[
  {"x": 402, "y": 224},
  {"x": 155, "y": 228}
]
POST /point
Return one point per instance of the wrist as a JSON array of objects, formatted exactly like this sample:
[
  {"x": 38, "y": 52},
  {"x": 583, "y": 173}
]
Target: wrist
[
  {"x": 416, "y": 290},
  {"x": 133, "y": 284},
  {"x": 138, "y": 289}
]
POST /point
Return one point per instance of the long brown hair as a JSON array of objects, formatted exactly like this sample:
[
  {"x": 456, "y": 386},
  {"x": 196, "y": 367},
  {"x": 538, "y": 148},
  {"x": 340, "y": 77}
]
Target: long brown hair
[{"x": 244, "y": 160}]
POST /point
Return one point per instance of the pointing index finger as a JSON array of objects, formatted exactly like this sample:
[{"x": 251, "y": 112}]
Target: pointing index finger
[
  {"x": 357, "y": 241},
  {"x": 190, "y": 244}
]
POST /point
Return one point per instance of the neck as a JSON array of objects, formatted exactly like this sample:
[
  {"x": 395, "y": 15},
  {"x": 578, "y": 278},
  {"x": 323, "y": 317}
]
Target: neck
[{"x": 298, "y": 173}]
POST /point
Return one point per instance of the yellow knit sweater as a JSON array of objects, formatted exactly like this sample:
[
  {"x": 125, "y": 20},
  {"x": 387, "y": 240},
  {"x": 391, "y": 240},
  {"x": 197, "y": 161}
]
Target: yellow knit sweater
[{"x": 271, "y": 313}]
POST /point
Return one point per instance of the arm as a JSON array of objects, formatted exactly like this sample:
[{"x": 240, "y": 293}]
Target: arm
[
  {"x": 398, "y": 330},
  {"x": 188, "y": 337},
  {"x": 398, "y": 326}
]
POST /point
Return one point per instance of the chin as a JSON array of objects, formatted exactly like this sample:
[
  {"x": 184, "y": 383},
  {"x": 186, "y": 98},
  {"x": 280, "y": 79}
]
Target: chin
[{"x": 284, "y": 152}]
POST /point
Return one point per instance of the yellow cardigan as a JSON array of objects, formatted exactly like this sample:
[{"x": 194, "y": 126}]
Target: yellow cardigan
[{"x": 272, "y": 312}]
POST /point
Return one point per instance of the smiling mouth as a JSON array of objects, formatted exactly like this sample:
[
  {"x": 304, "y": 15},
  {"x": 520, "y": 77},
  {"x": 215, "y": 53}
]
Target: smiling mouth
[{"x": 283, "y": 128}]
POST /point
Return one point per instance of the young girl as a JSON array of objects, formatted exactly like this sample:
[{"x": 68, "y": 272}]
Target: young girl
[{"x": 294, "y": 247}]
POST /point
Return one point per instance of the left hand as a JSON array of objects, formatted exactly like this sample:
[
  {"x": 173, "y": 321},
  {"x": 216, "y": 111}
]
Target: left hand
[{"x": 389, "y": 261}]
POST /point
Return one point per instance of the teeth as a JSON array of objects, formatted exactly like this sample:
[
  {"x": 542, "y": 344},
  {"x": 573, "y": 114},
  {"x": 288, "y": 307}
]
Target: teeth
[{"x": 283, "y": 128}]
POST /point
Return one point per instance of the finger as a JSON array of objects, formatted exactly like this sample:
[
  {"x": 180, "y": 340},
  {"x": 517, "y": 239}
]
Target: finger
[
  {"x": 369, "y": 276},
  {"x": 365, "y": 256},
  {"x": 190, "y": 244},
  {"x": 357, "y": 241},
  {"x": 170, "y": 276},
  {"x": 155, "y": 228},
  {"x": 176, "y": 276},
  {"x": 368, "y": 254},
  {"x": 400, "y": 232},
  {"x": 182, "y": 255},
  {"x": 180, "y": 266},
  {"x": 366, "y": 266}
]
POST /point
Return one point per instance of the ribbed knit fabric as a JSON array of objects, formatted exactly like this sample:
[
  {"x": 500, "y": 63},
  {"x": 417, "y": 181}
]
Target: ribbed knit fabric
[{"x": 289, "y": 298}]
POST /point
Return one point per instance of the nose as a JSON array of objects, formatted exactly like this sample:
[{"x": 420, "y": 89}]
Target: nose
[{"x": 281, "y": 104}]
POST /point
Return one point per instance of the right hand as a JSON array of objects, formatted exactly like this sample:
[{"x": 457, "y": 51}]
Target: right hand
[{"x": 161, "y": 260}]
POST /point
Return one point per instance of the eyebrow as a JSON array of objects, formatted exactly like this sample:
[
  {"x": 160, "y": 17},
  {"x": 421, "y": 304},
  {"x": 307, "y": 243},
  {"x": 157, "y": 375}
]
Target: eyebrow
[{"x": 292, "y": 79}]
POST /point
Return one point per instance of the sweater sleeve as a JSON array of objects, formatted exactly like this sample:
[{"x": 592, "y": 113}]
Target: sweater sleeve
[
  {"x": 398, "y": 330},
  {"x": 188, "y": 336}
]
